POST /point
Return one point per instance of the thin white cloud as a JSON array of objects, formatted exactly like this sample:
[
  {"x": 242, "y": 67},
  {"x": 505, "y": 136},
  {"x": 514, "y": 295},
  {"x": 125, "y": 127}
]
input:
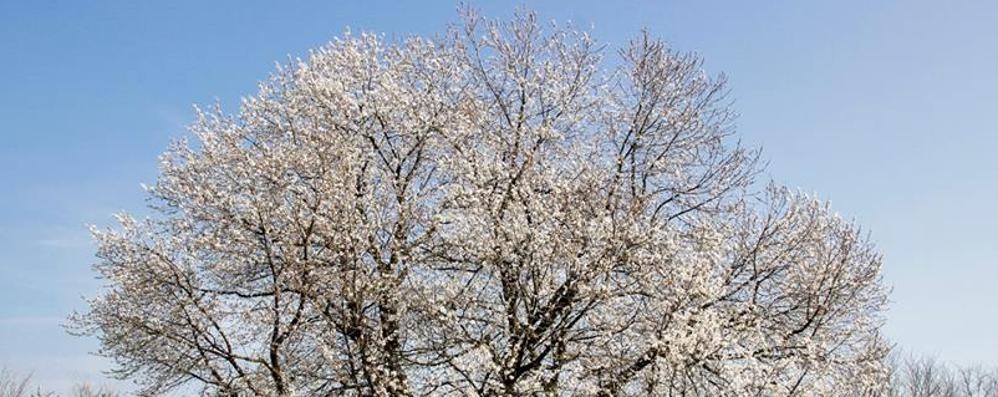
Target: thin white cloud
[{"x": 32, "y": 321}]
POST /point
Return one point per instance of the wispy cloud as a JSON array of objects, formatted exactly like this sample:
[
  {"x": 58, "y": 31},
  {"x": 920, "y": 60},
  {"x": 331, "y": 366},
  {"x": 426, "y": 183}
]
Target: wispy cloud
[
  {"x": 15, "y": 321},
  {"x": 63, "y": 242},
  {"x": 62, "y": 237}
]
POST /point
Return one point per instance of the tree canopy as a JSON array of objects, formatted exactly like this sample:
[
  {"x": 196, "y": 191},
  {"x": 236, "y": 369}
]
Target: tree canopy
[{"x": 508, "y": 209}]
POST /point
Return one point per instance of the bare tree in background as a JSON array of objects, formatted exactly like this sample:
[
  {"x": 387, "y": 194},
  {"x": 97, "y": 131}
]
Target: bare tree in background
[
  {"x": 913, "y": 376},
  {"x": 491, "y": 213},
  {"x": 14, "y": 385}
]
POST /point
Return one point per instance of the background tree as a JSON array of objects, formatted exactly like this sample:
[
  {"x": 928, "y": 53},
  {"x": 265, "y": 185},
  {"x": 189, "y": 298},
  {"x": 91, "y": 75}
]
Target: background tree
[
  {"x": 914, "y": 376},
  {"x": 494, "y": 212},
  {"x": 15, "y": 385}
]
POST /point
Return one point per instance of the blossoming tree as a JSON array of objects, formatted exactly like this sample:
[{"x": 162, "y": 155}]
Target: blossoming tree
[{"x": 499, "y": 211}]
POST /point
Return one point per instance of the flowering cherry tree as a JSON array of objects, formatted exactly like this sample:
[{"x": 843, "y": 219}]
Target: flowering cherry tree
[{"x": 500, "y": 211}]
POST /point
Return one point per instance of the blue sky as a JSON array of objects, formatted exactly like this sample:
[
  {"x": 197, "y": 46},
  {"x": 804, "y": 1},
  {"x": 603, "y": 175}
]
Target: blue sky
[{"x": 885, "y": 108}]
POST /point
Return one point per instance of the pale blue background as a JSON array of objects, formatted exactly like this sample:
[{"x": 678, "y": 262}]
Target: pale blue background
[{"x": 886, "y": 108}]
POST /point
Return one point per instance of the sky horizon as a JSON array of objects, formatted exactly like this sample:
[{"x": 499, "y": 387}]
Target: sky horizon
[{"x": 880, "y": 108}]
